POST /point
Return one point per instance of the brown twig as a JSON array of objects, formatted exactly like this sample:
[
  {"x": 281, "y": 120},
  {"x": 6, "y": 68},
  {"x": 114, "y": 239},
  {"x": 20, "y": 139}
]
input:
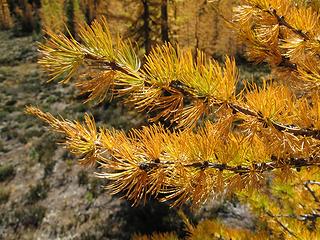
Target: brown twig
[
  {"x": 313, "y": 182},
  {"x": 258, "y": 167},
  {"x": 281, "y": 224},
  {"x": 110, "y": 64},
  {"x": 303, "y": 217},
  {"x": 306, "y": 185},
  {"x": 307, "y": 132},
  {"x": 186, "y": 91},
  {"x": 282, "y": 22}
]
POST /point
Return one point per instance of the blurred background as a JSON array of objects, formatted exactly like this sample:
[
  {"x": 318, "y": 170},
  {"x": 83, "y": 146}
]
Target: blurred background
[{"x": 44, "y": 194}]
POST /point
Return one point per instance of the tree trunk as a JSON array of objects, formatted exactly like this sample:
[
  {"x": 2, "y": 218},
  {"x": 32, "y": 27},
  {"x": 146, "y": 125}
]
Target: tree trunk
[
  {"x": 146, "y": 27},
  {"x": 164, "y": 21},
  {"x": 5, "y": 18}
]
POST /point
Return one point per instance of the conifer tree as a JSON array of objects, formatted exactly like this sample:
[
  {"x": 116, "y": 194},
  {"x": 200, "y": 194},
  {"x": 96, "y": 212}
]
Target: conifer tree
[
  {"x": 53, "y": 15},
  {"x": 57, "y": 14},
  {"x": 75, "y": 16},
  {"x": 200, "y": 25},
  {"x": 5, "y": 17},
  {"x": 164, "y": 21},
  {"x": 90, "y": 8},
  {"x": 26, "y": 15},
  {"x": 262, "y": 143},
  {"x": 152, "y": 25}
]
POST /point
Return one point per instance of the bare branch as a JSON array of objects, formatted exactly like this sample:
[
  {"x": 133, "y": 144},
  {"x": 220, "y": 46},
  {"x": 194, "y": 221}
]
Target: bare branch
[{"x": 306, "y": 185}]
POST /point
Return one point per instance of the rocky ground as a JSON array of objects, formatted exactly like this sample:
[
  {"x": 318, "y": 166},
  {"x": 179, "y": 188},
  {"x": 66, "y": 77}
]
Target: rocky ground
[{"x": 44, "y": 194}]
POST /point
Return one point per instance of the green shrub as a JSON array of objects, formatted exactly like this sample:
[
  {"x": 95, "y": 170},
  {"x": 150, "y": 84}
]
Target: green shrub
[
  {"x": 6, "y": 172},
  {"x": 37, "y": 193}
]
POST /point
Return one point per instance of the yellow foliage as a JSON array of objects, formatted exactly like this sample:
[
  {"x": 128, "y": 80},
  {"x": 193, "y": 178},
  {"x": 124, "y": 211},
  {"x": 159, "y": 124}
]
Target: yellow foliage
[
  {"x": 81, "y": 140},
  {"x": 156, "y": 236},
  {"x": 210, "y": 229},
  {"x": 5, "y": 17},
  {"x": 262, "y": 143},
  {"x": 52, "y": 15},
  {"x": 283, "y": 34},
  {"x": 167, "y": 70}
]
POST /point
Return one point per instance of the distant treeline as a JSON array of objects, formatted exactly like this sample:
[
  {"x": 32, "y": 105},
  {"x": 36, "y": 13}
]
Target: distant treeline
[{"x": 192, "y": 24}]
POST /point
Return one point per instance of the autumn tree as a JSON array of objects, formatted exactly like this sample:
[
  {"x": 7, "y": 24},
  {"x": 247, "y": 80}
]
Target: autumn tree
[
  {"x": 52, "y": 15},
  {"x": 57, "y": 14},
  {"x": 75, "y": 16},
  {"x": 5, "y": 17},
  {"x": 152, "y": 24},
  {"x": 262, "y": 143},
  {"x": 21, "y": 14},
  {"x": 201, "y": 25}
]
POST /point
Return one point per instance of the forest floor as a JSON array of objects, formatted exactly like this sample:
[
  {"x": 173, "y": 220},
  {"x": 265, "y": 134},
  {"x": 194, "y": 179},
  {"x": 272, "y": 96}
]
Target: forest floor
[{"x": 44, "y": 193}]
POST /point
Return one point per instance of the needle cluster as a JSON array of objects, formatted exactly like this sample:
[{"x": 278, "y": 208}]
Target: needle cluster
[{"x": 221, "y": 141}]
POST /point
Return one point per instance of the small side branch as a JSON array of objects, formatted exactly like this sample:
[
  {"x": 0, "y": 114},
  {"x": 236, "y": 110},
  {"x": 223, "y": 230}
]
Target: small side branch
[
  {"x": 110, "y": 64},
  {"x": 309, "y": 217},
  {"x": 303, "y": 217},
  {"x": 258, "y": 167},
  {"x": 281, "y": 224},
  {"x": 282, "y": 22},
  {"x": 306, "y": 185},
  {"x": 297, "y": 131},
  {"x": 314, "y": 133}
]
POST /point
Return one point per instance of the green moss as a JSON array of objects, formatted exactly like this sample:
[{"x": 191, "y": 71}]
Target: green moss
[{"x": 6, "y": 172}]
